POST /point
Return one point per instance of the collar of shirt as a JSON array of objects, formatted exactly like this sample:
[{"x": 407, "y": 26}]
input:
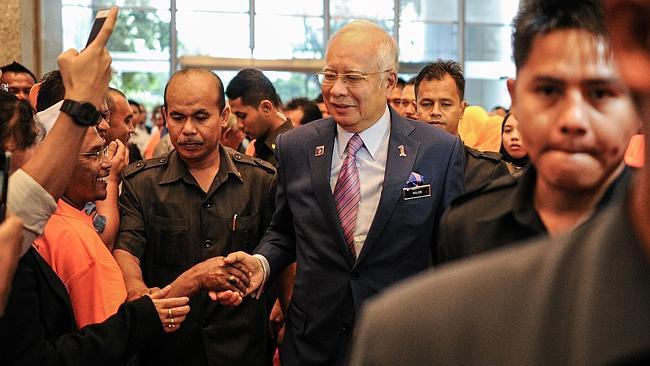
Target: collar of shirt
[
  {"x": 371, "y": 136},
  {"x": 177, "y": 169},
  {"x": 65, "y": 209},
  {"x": 270, "y": 139}
]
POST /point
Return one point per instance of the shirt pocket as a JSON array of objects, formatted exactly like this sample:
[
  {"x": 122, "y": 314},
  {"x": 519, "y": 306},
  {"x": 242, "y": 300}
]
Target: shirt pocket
[
  {"x": 245, "y": 235},
  {"x": 170, "y": 241}
]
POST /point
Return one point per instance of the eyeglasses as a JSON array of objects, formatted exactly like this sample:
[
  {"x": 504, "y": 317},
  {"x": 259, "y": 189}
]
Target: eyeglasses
[
  {"x": 106, "y": 115},
  {"x": 97, "y": 154},
  {"x": 349, "y": 79}
]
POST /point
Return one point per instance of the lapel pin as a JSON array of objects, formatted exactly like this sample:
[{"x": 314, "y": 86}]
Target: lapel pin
[
  {"x": 320, "y": 150},
  {"x": 401, "y": 150},
  {"x": 272, "y": 146}
]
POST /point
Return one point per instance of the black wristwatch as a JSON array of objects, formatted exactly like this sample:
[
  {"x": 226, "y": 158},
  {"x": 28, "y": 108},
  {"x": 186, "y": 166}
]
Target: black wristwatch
[{"x": 83, "y": 114}]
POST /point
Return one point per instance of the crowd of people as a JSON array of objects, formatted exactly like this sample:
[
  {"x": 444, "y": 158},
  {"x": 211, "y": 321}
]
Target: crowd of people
[{"x": 385, "y": 222}]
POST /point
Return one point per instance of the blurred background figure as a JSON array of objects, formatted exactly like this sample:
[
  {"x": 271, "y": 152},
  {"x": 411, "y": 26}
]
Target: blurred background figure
[
  {"x": 301, "y": 111},
  {"x": 321, "y": 106},
  {"x": 232, "y": 135},
  {"x": 395, "y": 98},
  {"x": 513, "y": 148},
  {"x": 407, "y": 101},
  {"x": 498, "y": 111},
  {"x": 18, "y": 78},
  {"x": 18, "y": 132}
]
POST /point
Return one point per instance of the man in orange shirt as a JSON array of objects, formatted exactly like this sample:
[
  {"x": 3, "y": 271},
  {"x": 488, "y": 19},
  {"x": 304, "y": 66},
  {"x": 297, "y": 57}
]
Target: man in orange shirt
[{"x": 71, "y": 245}]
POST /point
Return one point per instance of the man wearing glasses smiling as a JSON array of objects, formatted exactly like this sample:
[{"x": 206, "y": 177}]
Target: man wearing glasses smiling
[
  {"x": 359, "y": 197},
  {"x": 73, "y": 248}
]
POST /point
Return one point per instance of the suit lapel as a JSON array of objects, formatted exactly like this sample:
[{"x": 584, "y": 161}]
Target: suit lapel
[
  {"x": 320, "y": 150},
  {"x": 398, "y": 169}
]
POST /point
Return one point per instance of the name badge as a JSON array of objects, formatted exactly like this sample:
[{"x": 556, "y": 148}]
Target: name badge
[{"x": 416, "y": 192}]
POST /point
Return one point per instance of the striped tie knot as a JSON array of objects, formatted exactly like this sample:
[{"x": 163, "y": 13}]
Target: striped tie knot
[{"x": 354, "y": 144}]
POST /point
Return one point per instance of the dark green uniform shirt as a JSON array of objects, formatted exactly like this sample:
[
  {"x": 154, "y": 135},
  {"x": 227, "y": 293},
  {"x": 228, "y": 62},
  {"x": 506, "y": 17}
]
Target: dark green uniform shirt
[
  {"x": 498, "y": 215},
  {"x": 265, "y": 148},
  {"x": 170, "y": 224},
  {"x": 482, "y": 167}
]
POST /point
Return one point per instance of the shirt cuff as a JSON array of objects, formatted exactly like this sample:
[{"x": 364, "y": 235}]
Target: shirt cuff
[
  {"x": 31, "y": 203},
  {"x": 267, "y": 272}
]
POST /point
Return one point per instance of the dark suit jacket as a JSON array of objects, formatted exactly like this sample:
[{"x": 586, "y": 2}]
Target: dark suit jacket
[
  {"x": 330, "y": 286},
  {"x": 39, "y": 327},
  {"x": 580, "y": 299}
]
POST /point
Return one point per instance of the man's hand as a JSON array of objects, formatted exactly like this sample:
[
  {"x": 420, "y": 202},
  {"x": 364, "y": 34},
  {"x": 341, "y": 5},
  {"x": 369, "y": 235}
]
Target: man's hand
[
  {"x": 248, "y": 264},
  {"x": 217, "y": 276},
  {"x": 118, "y": 154},
  {"x": 86, "y": 74},
  {"x": 213, "y": 275}
]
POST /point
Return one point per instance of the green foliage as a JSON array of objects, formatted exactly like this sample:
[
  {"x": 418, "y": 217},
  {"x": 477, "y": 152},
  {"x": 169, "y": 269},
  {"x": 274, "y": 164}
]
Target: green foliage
[
  {"x": 140, "y": 29},
  {"x": 298, "y": 85},
  {"x": 136, "y": 24}
]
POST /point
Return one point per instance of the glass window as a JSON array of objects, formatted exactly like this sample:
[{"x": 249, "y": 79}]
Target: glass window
[
  {"x": 76, "y": 21},
  {"x": 428, "y": 10},
  {"x": 424, "y": 42},
  {"x": 363, "y": 9},
  {"x": 230, "y": 6},
  {"x": 290, "y": 85},
  {"x": 487, "y": 93},
  {"x": 288, "y": 37},
  {"x": 490, "y": 11},
  {"x": 142, "y": 32},
  {"x": 122, "y": 4},
  {"x": 289, "y": 7},
  {"x": 145, "y": 87},
  {"x": 488, "y": 42},
  {"x": 213, "y": 34}
]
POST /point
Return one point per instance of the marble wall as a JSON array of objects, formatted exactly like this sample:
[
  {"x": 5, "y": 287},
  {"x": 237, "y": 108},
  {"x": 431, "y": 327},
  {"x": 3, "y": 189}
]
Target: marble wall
[{"x": 18, "y": 33}]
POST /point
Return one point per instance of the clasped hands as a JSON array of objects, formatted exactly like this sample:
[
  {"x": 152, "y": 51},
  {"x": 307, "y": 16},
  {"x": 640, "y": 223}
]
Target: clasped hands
[
  {"x": 227, "y": 280},
  {"x": 246, "y": 275}
]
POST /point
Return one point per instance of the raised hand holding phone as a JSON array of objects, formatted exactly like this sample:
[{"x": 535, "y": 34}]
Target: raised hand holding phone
[
  {"x": 86, "y": 74},
  {"x": 99, "y": 21}
]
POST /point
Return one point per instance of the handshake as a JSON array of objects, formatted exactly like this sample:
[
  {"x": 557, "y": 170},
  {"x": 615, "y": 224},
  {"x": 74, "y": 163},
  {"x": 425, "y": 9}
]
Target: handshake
[{"x": 227, "y": 279}]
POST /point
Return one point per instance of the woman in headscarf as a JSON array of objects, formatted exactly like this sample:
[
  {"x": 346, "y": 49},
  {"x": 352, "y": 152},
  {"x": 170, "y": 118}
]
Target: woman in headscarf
[{"x": 513, "y": 149}]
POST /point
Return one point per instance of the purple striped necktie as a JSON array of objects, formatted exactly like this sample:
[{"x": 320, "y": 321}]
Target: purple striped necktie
[{"x": 347, "y": 192}]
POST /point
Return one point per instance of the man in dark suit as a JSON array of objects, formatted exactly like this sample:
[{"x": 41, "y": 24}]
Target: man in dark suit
[
  {"x": 579, "y": 299},
  {"x": 359, "y": 197}
]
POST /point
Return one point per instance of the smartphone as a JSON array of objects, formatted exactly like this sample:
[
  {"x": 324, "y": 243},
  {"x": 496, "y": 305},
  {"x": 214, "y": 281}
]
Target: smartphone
[
  {"x": 5, "y": 164},
  {"x": 100, "y": 18}
]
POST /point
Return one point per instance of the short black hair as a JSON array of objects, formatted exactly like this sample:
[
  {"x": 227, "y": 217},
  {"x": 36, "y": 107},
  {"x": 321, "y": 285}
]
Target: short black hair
[
  {"x": 310, "y": 111},
  {"x": 319, "y": 98},
  {"x": 540, "y": 17},
  {"x": 252, "y": 86},
  {"x": 400, "y": 83},
  {"x": 133, "y": 102},
  {"x": 51, "y": 92},
  {"x": 17, "y": 68},
  {"x": 437, "y": 70},
  {"x": 24, "y": 131},
  {"x": 186, "y": 71}
]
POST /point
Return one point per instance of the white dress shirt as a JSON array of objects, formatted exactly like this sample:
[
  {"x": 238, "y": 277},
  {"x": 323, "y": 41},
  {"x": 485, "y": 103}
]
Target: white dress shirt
[{"x": 371, "y": 165}]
